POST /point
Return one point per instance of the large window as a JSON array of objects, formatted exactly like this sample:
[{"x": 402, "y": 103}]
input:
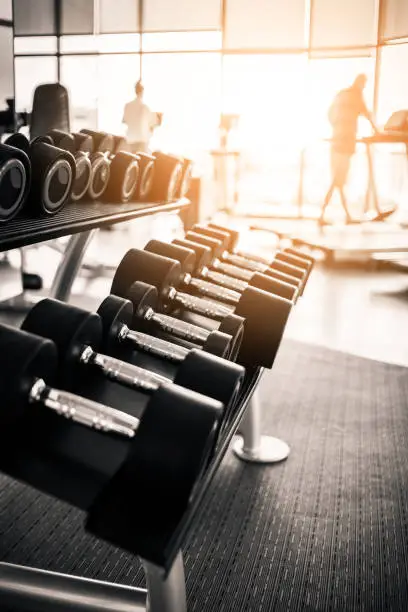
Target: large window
[
  {"x": 31, "y": 72},
  {"x": 6, "y": 66}
]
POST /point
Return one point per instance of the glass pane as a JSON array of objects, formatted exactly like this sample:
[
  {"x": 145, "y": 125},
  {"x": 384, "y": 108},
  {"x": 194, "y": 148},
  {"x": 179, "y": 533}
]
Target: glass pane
[
  {"x": 186, "y": 88},
  {"x": 6, "y": 66},
  {"x": 325, "y": 78},
  {"x": 342, "y": 24},
  {"x": 35, "y": 44},
  {"x": 182, "y": 41},
  {"x": 77, "y": 44},
  {"x": 30, "y": 72},
  {"x": 33, "y": 17},
  {"x": 6, "y": 9},
  {"x": 103, "y": 43},
  {"x": 162, "y": 15},
  {"x": 271, "y": 124},
  {"x": 79, "y": 74},
  {"x": 395, "y": 22},
  {"x": 393, "y": 90},
  {"x": 119, "y": 16},
  {"x": 265, "y": 24},
  {"x": 117, "y": 75},
  {"x": 77, "y": 16}
]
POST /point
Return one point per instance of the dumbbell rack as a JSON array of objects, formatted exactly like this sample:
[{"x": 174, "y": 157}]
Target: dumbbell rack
[{"x": 80, "y": 221}]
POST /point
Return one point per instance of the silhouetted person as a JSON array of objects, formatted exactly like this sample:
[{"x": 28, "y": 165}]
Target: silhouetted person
[
  {"x": 344, "y": 112},
  {"x": 140, "y": 121}
]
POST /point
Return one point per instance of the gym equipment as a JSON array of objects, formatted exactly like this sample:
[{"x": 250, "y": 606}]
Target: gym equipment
[
  {"x": 145, "y": 300},
  {"x": 53, "y": 172},
  {"x": 166, "y": 178},
  {"x": 183, "y": 183},
  {"x": 220, "y": 288},
  {"x": 83, "y": 166},
  {"x": 256, "y": 266},
  {"x": 122, "y": 180},
  {"x": 107, "y": 456},
  {"x": 164, "y": 273},
  {"x": 146, "y": 174},
  {"x": 78, "y": 336},
  {"x": 265, "y": 314},
  {"x": 15, "y": 181},
  {"x": 197, "y": 370},
  {"x": 236, "y": 272}
]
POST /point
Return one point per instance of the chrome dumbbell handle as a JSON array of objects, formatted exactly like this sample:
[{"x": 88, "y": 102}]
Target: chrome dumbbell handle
[
  {"x": 231, "y": 270},
  {"x": 187, "y": 331},
  {"x": 155, "y": 346},
  {"x": 252, "y": 257},
  {"x": 200, "y": 306},
  {"x": 125, "y": 373},
  {"x": 83, "y": 410},
  {"x": 214, "y": 291},
  {"x": 226, "y": 281},
  {"x": 239, "y": 261}
]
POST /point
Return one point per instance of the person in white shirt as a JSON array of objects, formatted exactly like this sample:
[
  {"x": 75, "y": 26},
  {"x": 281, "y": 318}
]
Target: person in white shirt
[{"x": 140, "y": 121}]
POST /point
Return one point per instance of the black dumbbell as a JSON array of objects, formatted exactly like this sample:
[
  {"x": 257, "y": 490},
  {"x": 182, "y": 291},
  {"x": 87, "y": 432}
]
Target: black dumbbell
[
  {"x": 170, "y": 445},
  {"x": 197, "y": 370},
  {"x": 52, "y": 174},
  {"x": 228, "y": 269},
  {"x": 145, "y": 300},
  {"x": 164, "y": 274},
  {"x": 184, "y": 180},
  {"x": 83, "y": 166},
  {"x": 265, "y": 314},
  {"x": 123, "y": 166},
  {"x": 78, "y": 336},
  {"x": 166, "y": 177},
  {"x": 200, "y": 284},
  {"x": 302, "y": 266},
  {"x": 233, "y": 247},
  {"x": 146, "y": 175},
  {"x": 15, "y": 181},
  {"x": 99, "y": 163}
]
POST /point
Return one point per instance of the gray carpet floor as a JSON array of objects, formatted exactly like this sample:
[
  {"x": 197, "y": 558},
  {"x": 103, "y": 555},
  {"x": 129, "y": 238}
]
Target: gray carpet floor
[{"x": 325, "y": 530}]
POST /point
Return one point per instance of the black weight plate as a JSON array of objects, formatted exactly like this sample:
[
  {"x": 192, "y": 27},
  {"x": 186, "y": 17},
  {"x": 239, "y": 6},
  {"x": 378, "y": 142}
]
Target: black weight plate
[
  {"x": 203, "y": 253},
  {"x": 123, "y": 178},
  {"x": 63, "y": 140},
  {"x": 19, "y": 141},
  {"x": 265, "y": 317},
  {"x": 115, "y": 312},
  {"x": 219, "y": 344},
  {"x": 185, "y": 256}
]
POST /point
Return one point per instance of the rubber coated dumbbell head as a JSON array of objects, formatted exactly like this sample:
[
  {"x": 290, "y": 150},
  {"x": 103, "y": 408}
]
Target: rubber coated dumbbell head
[
  {"x": 212, "y": 243},
  {"x": 102, "y": 142},
  {"x": 53, "y": 172},
  {"x": 23, "y": 358},
  {"x": 233, "y": 235},
  {"x": 119, "y": 144},
  {"x": 83, "y": 142},
  {"x": 70, "y": 328},
  {"x": 115, "y": 312},
  {"x": 185, "y": 256},
  {"x": 46, "y": 139},
  {"x": 265, "y": 317},
  {"x": 19, "y": 141},
  {"x": 184, "y": 180},
  {"x": 63, "y": 140},
  {"x": 138, "y": 265},
  {"x": 123, "y": 178},
  {"x": 146, "y": 174},
  {"x": 100, "y": 175},
  {"x": 213, "y": 233},
  {"x": 167, "y": 169},
  {"x": 83, "y": 176},
  {"x": 15, "y": 181},
  {"x": 203, "y": 253}
]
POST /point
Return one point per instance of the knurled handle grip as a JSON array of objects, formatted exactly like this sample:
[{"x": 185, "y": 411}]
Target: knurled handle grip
[
  {"x": 227, "y": 281},
  {"x": 233, "y": 270},
  {"x": 181, "y": 329},
  {"x": 215, "y": 291},
  {"x": 128, "y": 374},
  {"x": 203, "y": 307},
  {"x": 157, "y": 346},
  {"x": 237, "y": 260}
]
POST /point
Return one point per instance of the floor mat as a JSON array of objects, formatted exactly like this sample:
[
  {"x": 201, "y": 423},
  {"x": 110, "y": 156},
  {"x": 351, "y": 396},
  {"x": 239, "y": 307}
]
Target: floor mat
[{"x": 325, "y": 530}]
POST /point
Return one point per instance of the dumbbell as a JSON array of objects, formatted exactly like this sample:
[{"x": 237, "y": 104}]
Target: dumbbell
[
  {"x": 197, "y": 370},
  {"x": 99, "y": 163},
  {"x": 166, "y": 179},
  {"x": 78, "y": 336},
  {"x": 172, "y": 442},
  {"x": 15, "y": 181},
  {"x": 147, "y": 319},
  {"x": 123, "y": 167},
  {"x": 291, "y": 256},
  {"x": 190, "y": 265},
  {"x": 265, "y": 314},
  {"x": 146, "y": 175},
  {"x": 184, "y": 180},
  {"x": 235, "y": 272},
  {"x": 52, "y": 174},
  {"x": 164, "y": 274},
  {"x": 83, "y": 166}
]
